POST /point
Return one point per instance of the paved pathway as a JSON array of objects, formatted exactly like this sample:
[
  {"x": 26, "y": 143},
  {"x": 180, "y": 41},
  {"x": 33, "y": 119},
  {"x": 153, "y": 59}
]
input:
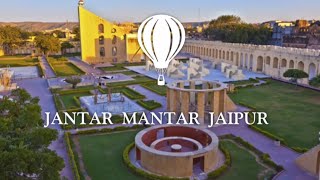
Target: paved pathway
[
  {"x": 151, "y": 96},
  {"x": 87, "y": 68},
  {"x": 49, "y": 73},
  {"x": 280, "y": 155},
  {"x": 39, "y": 87}
]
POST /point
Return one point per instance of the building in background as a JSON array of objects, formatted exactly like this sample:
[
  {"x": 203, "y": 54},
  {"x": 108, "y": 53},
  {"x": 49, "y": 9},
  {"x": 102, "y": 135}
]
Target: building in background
[
  {"x": 298, "y": 34},
  {"x": 280, "y": 29},
  {"x": 103, "y": 41}
]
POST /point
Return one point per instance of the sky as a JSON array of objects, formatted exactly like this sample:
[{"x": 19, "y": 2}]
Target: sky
[{"x": 251, "y": 11}]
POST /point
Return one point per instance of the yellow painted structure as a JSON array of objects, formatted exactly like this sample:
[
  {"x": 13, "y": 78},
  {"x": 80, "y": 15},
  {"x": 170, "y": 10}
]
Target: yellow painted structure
[
  {"x": 1, "y": 52},
  {"x": 103, "y": 41}
]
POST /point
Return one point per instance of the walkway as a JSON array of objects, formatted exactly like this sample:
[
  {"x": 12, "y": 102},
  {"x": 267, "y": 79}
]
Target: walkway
[
  {"x": 39, "y": 87},
  {"x": 151, "y": 96},
  {"x": 87, "y": 68},
  {"x": 280, "y": 155},
  {"x": 49, "y": 73}
]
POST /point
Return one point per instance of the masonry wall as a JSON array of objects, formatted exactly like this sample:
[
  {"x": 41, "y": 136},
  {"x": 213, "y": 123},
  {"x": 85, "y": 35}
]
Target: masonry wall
[{"x": 271, "y": 60}]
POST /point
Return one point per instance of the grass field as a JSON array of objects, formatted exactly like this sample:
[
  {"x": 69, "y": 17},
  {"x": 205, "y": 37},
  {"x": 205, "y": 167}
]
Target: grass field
[
  {"x": 137, "y": 80},
  {"x": 244, "y": 165},
  {"x": 66, "y": 69},
  {"x": 69, "y": 101},
  {"x": 244, "y": 82},
  {"x": 293, "y": 114},
  {"x": 18, "y": 62},
  {"x": 62, "y": 67},
  {"x": 120, "y": 66},
  {"x": 102, "y": 155},
  {"x": 161, "y": 90}
]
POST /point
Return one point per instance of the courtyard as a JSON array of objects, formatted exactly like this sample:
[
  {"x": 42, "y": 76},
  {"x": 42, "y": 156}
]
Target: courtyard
[{"x": 283, "y": 102}]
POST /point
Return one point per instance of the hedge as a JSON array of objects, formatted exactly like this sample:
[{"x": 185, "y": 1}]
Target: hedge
[
  {"x": 140, "y": 172},
  {"x": 218, "y": 172},
  {"x": 132, "y": 94},
  {"x": 269, "y": 135},
  {"x": 77, "y": 101},
  {"x": 155, "y": 90},
  {"x": 73, "y": 163},
  {"x": 149, "y": 105},
  {"x": 40, "y": 70},
  {"x": 74, "y": 91},
  {"x": 57, "y": 102},
  {"x": 108, "y": 130},
  {"x": 265, "y": 158}
]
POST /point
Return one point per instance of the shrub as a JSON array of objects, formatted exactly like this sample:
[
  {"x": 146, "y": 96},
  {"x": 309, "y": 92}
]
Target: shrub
[
  {"x": 132, "y": 94},
  {"x": 161, "y": 90},
  {"x": 77, "y": 101},
  {"x": 299, "y": 149},
  {"x": 108, "y": 130},
  {"x": 74, "y": 91},
  {"x": 218, "y": 172},
  {"x": 73, "y": 80},
  {"x": 57, "y": 102},
  {"x": 40, "y": 70},
  {"x": 315, "y": 81},
  {"x": 149, "y": 105},
  {"x": 271, "y": 136},
  {"x": 71, "y": 156}
]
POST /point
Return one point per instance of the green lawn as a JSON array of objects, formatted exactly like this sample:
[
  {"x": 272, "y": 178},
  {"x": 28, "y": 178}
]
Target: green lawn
[
  {"x": 66, "y": 69},
  {"x": 18, "y": 62},
  {"x": 137, "y": 80},
  {"x": 120, "y": 66},
  {"x": 102, "y": 155},
  {"x": 62, "y": 67},
  {"x": 244, "y": 165},
  {"x": 244, "y": 82},
  {"x": 69, "y": 101},
  {"x": 161, "y": 90},
  {"x": 129, "y": 73},
  {"x": 293, "y": 114}
]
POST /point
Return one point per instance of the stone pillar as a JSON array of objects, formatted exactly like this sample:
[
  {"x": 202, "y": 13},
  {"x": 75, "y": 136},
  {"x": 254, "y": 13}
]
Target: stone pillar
[
  {"x": 222, "y": 100},
  {"x": 169, "y": 97},
  {"x": 174, "y": 100},
  {"x": 215, "y": 103},
  {"x": 192, "y": 94},
  {"x": 185, "y": 102},
  {"x": 205, "y": 86},
  {"x": 201, "y": 106}
]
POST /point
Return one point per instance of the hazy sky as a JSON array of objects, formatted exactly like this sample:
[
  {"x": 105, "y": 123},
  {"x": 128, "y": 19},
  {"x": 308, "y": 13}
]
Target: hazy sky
[{"x": 137, "y": 10}]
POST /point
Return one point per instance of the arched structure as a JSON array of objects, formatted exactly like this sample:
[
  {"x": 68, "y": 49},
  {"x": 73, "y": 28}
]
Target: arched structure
[
  {"x": 275, "y": 60},
  {"x": 175, "y": 150}
]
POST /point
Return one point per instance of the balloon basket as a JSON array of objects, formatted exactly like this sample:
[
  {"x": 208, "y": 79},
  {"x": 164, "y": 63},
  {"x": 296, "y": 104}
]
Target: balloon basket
[{"x": 161, "y": 81}]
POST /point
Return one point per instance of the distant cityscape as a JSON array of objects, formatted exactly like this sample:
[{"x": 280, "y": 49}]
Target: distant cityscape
[{"x": 296, "y": 34}]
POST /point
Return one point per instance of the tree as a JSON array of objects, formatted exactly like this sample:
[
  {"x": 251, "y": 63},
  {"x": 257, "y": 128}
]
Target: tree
[
  {"x": 24, "y": 142},
  {"x": 47, "y": 43},
  {"x": 58, "y": 34},
  {"x": 315, "y": 81},
  {"x": 66, "y": 45},
  {"x": 295, "y": 74},
  {"x": 232, "y": 29},
  {"x": 10, "y": 37},
  {"x": 75, "y": 80},
  {"x": 76, "y": 31}
]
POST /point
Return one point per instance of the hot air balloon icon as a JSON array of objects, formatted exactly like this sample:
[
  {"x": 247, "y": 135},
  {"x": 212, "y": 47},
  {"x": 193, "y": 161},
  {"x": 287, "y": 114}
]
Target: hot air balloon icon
[{"x": 161, "y": 38}]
